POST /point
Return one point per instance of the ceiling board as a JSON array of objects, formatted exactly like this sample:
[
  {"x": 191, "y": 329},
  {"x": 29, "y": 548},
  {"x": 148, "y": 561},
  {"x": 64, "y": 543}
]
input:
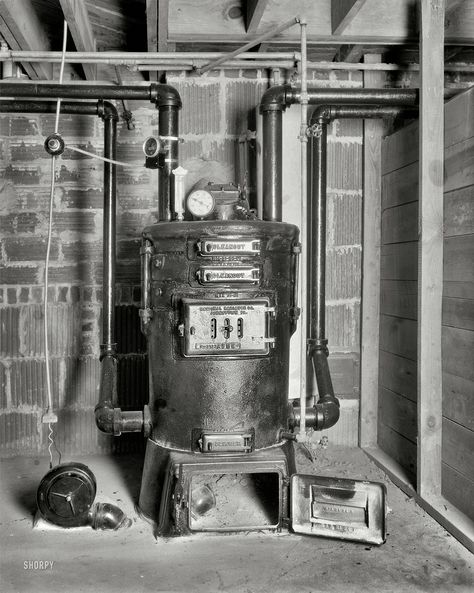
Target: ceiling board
[
  {"x": 378, "y": 17},
  {"x": 460, "y": 23},
  {"x": 316, "y": 12},
  {"x": 186, "y": 17}
]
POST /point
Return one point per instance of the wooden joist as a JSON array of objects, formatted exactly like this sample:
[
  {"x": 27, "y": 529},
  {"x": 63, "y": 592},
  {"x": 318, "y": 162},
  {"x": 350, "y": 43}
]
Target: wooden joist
[
  {"x": 254, "y": 13},
  {"x": 75, "y": 13},
  {"x": 22, "y": 30},
  {"x": 342, "y": 13},
  {"x": 430, "y": 248},
  {"x": 157, "y": 17}
]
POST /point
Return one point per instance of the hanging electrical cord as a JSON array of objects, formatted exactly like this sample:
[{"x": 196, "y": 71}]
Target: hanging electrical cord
[{"x": 50, "y": 417}]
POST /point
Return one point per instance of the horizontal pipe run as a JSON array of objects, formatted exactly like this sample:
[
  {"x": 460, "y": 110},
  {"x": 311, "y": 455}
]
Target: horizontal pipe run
[{"x": 160, "y": 94}]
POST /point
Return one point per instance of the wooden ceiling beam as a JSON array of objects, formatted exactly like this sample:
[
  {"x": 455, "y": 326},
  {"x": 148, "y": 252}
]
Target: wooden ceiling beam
[
  {"x": 254, "y": 14},
  {"x": 77, "y": 17},
  {"x": 349, "y": 53},
  {"x": 22, "y": 30},
  {"x": 157, "y": 17},
  {"x": 343, "y": 13}
]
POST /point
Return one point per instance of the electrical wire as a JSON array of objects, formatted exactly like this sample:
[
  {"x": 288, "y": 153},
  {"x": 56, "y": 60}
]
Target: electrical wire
[
  {"x": 46, "y": 265},
  {"x": 101, "y": 158}
]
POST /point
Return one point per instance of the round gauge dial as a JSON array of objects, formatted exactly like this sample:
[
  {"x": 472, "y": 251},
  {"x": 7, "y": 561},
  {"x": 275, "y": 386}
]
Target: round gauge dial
[
  {"x": 200, "y": 203},
  {"x": 151, "y": 146}
]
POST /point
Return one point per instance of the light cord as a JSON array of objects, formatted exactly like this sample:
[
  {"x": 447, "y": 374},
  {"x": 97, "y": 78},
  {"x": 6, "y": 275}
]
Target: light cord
[
  {"x": 101, "y": 158},
  {"x": 46, "y": 264}
]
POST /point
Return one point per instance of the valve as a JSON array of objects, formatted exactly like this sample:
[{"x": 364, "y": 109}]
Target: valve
[{"x": 54, "y": 145}]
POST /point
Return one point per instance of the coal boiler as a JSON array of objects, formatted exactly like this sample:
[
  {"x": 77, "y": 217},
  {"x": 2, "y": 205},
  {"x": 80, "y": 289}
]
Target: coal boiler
[
  {"x": 219, "y": 310},
  {"x": 219, "y": 306}
]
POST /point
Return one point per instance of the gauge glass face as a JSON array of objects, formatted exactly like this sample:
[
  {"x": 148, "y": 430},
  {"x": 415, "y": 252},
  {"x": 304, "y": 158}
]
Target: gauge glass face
[
  {"x": 151, "y": 146},
  {"x": 200, "y": 203}
]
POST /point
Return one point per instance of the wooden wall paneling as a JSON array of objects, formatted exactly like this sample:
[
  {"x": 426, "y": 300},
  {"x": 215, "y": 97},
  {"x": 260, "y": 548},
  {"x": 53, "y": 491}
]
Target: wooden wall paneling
[
  {"x": 400, "y": 186},
  {"x": 398, "y": 336},
  {"x": 458, "y": 489},
  {"x": 399, "y": 261},
  {"x": 458, "y": 352},
  {"x": 459, "y": 165},
  {"x": 458, "y": 266},
  {"x": 458, "y": 448},
  {"x": 400, "y": 148},
  {"x": 398, "y": 298},
  {"x": 458, "y": 400},
  {"x": 371, "y": 241},
  {"x": 400, "y": 223},
  {"x": 430, "y": 248},
  {"x": 399, "y": 448},
  {"x": 460, "y": 123},
  {"x": 398, "y": 374},
  {"x": 398, "y": 413},
  {"x": 459, "y": 211},
  {"x": 459, "y": 313}
]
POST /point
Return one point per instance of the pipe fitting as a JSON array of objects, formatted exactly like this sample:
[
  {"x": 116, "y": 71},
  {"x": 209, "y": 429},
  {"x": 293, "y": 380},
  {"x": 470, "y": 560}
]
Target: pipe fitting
[
  {"x": 107, "y": 110},
  {"x": 323, "y": 415},
  {"x": 164, "y": 94},
  {"x": 275, "y": 98}
]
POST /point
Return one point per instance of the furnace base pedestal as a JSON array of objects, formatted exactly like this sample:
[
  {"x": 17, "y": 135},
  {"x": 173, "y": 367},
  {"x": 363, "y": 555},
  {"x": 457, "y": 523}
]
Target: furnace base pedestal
[{"x": 186, "y": 492}]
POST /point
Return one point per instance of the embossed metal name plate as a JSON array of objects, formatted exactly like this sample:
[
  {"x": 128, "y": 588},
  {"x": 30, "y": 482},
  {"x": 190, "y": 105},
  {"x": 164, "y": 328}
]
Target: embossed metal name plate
[
  {"x": 232, "y": 327},
  {"x": 228, "y": 275},
  {"x": 229, "y": 246},
  {"x": 338, "y": 508}
]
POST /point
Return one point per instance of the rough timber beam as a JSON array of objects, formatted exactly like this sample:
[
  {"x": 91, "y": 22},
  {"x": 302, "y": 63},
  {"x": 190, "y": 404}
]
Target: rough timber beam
[
  {"x": 342, "y": 14},
  {"x": 75, "y": 13},
  {"x": 254, "y": 13},
  {"x": 22, "y": 30}
]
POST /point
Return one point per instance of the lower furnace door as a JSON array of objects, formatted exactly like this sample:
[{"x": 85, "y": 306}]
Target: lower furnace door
[{"x": 338, "y": 508}]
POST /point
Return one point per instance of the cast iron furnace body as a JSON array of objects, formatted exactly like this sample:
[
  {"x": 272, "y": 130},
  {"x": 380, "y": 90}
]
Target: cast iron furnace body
[{"x": 218, "y": 312}]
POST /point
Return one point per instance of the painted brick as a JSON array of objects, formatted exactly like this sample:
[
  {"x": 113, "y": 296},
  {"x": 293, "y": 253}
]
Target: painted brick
[
  {"x": 81, "y": 273},
  {"x": 344, "y": 219},
  {"x": 18, "y": 274},
  {"x": 135, "y": 177},
  {"x": 79, "y": 251},
  {"x": 343, "y": 274},
  {"x": 3, "y": 386},
  {"x": 131, "y": 224},
  {"x": 23, "y": 222},
  {"x": 242, "y": 99},
  {"x": 72, "y": 155},
  {"x": 34, "y": 200},
  {"x": 342, "y": 327},
  {"x": 348, "y": 127},
  {"x": 80, "y": 222},
  {"x": 28, "y": 381},
  {"x": 4, "y": 126},
  {"x": 201, "y": 112},
  {"x": 69, "y": 125},
  {"x": 130, "y": 152},
  {"x": 9, "y": 323},
  {"x": 19, "y": 431},
  {"x": 24, "y": 126},
  {"x": 83, "y": 198},
  {"x": 129, "y": 249},
  {"x": 29, "y": 248},
  {"x": 23, "y": 175},
  {"x": 63, "y": 330},
  {"x": 11, "y": 296},
  {"x": 344, "y": 165},
  {"x": 145, "y": 199},
  {"x": 27, "y": 152},
  {"x": 82, "y": 378}
]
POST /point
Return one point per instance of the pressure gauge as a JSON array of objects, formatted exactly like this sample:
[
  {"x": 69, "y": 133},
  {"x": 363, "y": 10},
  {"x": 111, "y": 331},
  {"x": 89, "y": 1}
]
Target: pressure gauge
[
  {"x": 151, "y": 146},
  {"x": 200, "y": 203}
]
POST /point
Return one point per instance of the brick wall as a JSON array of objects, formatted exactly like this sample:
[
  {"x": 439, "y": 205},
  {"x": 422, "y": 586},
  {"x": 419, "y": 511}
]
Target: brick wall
[{"x": 216, "y": 110}]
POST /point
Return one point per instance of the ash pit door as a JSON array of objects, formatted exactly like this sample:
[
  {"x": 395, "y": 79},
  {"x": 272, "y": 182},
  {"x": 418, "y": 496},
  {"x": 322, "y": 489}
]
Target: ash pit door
[{"x": 338, "y": 508}]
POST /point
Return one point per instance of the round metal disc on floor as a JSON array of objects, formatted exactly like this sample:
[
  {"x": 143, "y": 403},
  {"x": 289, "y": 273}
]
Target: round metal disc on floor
[{"x": 66, "y": 494}]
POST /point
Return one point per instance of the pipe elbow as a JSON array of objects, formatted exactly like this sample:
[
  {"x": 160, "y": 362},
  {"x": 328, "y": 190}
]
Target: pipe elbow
[
  {"x": 106, "y": 418},
  {"x": 107, "y": 110},
  {"x": 275, "y": 98},
  {"x": 165, "y": 95},
  {"x": 322, "y": 114},
  {"x": 327, "y": 412}
]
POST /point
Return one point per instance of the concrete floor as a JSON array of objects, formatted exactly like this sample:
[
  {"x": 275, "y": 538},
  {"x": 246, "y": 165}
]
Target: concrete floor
[{"x": 418, "y": 555}]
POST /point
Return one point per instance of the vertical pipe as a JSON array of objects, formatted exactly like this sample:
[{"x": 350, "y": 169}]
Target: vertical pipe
[
  {"x": 304, "y": 228},
  {"x": 271, "y": 164},
  {"x": 110, "y": 198},
  {"x": 318, "y": 235},
  {"x": 168, "y": 130}
]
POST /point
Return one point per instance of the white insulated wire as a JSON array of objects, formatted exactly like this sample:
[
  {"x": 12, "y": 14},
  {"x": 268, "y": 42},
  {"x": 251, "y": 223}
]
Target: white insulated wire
[
  {"x": 101, "y": 158},
  {"x": 46, "y": 263}
]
